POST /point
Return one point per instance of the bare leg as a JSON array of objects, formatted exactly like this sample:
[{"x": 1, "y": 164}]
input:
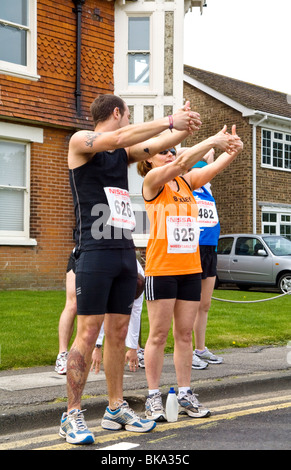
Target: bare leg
[
  {"x": 115, "y": 328},
  {"x": 200, "y": 322},
  {"x": 79, "y": 359},
  {"x": 185, "y": 312},
  {"x": 67, "y": 318},
  {"x": 160, "y": 314}
]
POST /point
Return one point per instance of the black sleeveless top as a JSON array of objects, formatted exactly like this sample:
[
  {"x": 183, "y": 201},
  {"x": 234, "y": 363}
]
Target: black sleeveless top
[{"x": 105, "y": 169}]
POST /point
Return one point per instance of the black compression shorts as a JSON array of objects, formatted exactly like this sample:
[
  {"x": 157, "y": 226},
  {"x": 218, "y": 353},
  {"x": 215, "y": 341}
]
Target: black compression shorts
[
  {"x": 106, "y": 281},
  {"x": 182, "y": 287}
]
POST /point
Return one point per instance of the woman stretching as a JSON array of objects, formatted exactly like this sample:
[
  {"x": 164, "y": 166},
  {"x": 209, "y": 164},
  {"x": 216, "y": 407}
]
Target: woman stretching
[{"x": 173, "y": 268}]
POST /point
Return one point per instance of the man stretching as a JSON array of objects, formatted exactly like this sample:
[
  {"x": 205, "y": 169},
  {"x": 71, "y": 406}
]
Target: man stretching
[{"x": 106, "y": 273}]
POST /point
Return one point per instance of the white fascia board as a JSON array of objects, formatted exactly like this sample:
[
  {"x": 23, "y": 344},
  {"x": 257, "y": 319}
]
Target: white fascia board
[{"x": 246, "y": 112}]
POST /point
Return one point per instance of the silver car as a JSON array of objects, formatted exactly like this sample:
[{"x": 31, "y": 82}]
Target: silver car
[{"x": 254, "y": 260}]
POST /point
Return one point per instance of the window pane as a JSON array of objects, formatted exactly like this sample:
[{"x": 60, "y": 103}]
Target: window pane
[
  {"x": 266, "y": 150},
  {"x": 11, "y": 210},
  {"x": 138, "y": 69},
  {"x": 287, "y": 159},
  {"x": 12, "y": 164},
  {"x": 14, "y": 11},
  {"x": 273, "y": 217},
  {"x": 13, "y": 45},
  {"x": 224, "y": 246},
  {"x": 138, "y": 34},
  {"x": 278, "y": 154},
  {"x": 278, "y": 135}
]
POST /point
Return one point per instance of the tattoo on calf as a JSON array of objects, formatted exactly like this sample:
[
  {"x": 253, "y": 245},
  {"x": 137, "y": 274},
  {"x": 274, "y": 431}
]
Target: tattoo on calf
[{"x": 76, "y": 376}]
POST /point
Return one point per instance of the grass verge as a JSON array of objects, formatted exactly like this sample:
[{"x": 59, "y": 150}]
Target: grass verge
[{"x": 29, "y": 324}]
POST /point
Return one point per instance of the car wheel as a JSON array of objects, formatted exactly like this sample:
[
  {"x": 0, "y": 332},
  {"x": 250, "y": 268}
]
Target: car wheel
[{"x": 284, "y": 283}]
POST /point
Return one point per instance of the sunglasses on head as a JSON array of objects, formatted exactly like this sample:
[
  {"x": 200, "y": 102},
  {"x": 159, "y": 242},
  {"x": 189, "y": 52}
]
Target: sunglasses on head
[{"x": 164, "y": 152}]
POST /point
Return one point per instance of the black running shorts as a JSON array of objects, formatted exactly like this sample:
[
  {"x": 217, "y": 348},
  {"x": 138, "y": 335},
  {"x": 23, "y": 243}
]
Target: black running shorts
[
  {"x": 208, "y": 256},
  {"x": 71, "y": 266},
  {"x": 106, "y": 281},
  {"x": 182, "y": 287}
]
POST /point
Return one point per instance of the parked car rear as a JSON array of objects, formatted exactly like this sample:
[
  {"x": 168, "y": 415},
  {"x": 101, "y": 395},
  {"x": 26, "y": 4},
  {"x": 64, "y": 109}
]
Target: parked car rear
[{"x": 254, "y": 260}]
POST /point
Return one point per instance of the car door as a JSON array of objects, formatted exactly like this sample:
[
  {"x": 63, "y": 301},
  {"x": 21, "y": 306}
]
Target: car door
[
  {"x": 224, "y": 249},
  {"x": 247, "y": 265}
]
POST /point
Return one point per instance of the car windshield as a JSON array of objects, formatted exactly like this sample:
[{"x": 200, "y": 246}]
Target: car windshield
[{"x": 280, "y": 246}]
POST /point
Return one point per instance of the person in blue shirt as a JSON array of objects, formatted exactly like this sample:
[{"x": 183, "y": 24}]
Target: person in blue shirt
[{"x": 209, "y": 233}]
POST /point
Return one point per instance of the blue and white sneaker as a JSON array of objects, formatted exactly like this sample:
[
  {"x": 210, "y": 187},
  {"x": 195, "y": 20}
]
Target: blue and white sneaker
[
  {"x": 74, "y": 429},
  {"x": 125, "y": 417}
]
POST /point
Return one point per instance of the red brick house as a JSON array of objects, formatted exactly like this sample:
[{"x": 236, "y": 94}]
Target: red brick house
[
  {"x": 46, "y": 88},
  {"x": 55, "y": 57},
  {"x": 253, "y": 195}
]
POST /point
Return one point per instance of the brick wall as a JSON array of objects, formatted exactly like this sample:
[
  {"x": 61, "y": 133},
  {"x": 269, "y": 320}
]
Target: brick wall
[
  {"x": 232, "y": 188},
  {"x": 50, "y": 103},
  {"x": 52, "y": 98},
  {"x": 51, "y": 220}
]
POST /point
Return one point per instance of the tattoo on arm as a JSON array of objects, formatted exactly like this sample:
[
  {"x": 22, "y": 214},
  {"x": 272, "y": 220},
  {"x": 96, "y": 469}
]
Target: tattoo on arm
[
  {"x": 91, "y": 137},
  {"x": 146, "y": 150}
]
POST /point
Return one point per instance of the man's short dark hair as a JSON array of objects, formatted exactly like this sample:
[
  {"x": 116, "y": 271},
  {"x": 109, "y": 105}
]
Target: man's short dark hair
[{"x": 104, "y": 105}]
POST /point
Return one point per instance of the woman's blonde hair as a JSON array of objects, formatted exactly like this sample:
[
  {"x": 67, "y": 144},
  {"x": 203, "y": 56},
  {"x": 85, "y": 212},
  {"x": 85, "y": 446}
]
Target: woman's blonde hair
[{"x": 143, "y": 167}]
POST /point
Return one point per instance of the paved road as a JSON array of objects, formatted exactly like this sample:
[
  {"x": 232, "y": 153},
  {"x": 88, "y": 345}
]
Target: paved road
[
  {"x": 32, "y": 400},
  {"x": 260, "y": 422}
]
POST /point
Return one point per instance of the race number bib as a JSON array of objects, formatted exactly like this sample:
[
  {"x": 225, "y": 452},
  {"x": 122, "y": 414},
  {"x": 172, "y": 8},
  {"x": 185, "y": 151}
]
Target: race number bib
[
  {"x": 183, "y": 234},
  {"x": 121, "y": 212},
  {"x": 207, "y": 213}
]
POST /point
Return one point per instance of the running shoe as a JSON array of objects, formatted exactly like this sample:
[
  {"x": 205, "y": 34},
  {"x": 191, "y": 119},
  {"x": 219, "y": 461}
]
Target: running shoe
[
  {"x": 197, "y": 363},
  {"x": 140, "y": 356},
  {"x": 74, "y": 429},
  {"x": 125, "y": 417},
  {"x": 61, "y": 363},
  {"x": 188, "y": 404},
  {"x": 208, "y": 356},
  {"x": 154, "y": 409}
]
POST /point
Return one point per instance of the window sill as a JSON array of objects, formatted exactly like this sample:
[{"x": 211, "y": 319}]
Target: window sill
[
  {"x": 140, "y": 241},
  {"x": 20, "y": 241},
  {"x": 24, "y": 75}
]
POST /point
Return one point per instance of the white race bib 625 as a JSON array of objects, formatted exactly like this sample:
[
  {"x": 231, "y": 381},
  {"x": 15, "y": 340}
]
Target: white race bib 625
[{"x": 183, "y": 234}]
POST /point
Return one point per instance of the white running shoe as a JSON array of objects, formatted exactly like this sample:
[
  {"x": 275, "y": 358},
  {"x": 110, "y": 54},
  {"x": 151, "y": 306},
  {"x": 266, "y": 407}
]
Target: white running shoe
[
  {"x": 197, "y": 363},
  {"x": 140, "y": 356},
  {"x": 74, "y": 429},
  {"x": 154, "y": 409},
  {"x": 190, "y": 405},
  {"x": 61, "y": 363},
  {"x": 208, "y": 356},
  {"x": 125, "y": 417}
]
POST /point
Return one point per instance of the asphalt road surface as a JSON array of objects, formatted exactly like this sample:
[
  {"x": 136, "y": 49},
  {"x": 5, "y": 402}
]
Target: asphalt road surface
[{"x": 258, "y": 422}]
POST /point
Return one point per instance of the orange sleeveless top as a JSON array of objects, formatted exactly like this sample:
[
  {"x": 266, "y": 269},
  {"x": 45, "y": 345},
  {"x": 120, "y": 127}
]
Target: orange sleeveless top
[{"x": 174, "y": 232}]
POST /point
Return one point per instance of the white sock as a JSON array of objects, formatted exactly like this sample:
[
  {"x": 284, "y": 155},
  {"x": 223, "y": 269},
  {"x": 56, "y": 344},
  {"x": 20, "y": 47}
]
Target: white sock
[
  {"x": 183, "y": 391},
  {"x": 152, "y": 392}
]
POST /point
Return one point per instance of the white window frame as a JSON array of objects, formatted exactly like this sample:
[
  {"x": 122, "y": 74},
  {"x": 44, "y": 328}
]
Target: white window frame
[
  {"x": 273, "y": 140},
  {"x": 24, "y": 135},
  {"x": 28, "y": 71},
  {"x": 146, "y": 86},
  {"x": 279, "y": 211}
]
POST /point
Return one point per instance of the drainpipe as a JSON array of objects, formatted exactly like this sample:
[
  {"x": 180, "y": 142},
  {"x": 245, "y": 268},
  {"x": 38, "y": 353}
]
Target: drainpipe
[
  {"x": 255, "y": 172},
  {"x": 78, "y": 11}
]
